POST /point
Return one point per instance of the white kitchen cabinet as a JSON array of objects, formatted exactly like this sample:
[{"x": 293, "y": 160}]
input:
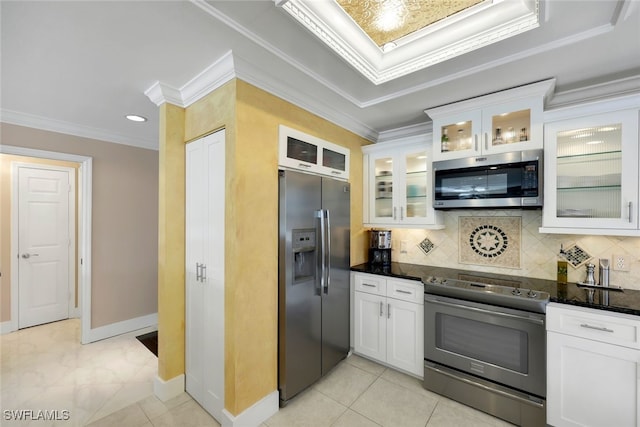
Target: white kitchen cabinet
[
  {"x": 398, "y": 186},
  {"x": 593, "y": 367},
  {"x": 204, "y": 271},
  {"x": 389, "y": 321},
  {"x": 298, "y": 150},
  {"x": 510, "y": 120},
  {"x": 591, "y": 175}
]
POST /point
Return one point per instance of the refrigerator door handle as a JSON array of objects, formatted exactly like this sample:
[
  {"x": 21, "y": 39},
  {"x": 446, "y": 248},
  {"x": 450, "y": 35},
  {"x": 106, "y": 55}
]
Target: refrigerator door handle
[
  {"x": 321, "y": 250},
  {"x": 327, "y": 252}
]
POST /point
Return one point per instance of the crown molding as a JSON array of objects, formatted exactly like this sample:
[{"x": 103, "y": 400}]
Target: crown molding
[
  {"x": 211, "y": 78},
  {"x": 60, "y": 126},
  {"x": 410, "y": 131},
  {"x": 624, "y": 87},
  {"x": 230, "y": 66},
  {"x": 247, "y": 72},
  {"x": 159, "y": 93}
]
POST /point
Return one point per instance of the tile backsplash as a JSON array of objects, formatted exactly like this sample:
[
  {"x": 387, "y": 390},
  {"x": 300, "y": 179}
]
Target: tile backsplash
[{"x": 539, "y": 252}]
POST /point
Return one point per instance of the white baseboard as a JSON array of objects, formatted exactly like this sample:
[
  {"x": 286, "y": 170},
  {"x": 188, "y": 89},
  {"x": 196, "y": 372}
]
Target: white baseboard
[
  {"x": 165, "y": 390},
  {"x": 119, "y": 328},
  {"x": 255, "y": 415},
  {"x": 8, "y": 326}
]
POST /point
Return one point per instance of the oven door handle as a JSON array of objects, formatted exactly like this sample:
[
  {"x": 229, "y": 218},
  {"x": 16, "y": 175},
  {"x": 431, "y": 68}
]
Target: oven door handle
[{"x": 434, "y": 300}]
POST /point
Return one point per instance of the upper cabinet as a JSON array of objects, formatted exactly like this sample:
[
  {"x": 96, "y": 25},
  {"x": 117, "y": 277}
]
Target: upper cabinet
[
  {"x": 398, "y": 184},
  {"x": 510, "y": 120},
  {"x": 301, "y": 151},
  {"x": 591, "y": 174}
]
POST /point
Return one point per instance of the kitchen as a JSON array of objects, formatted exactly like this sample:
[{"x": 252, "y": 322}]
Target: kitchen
[
  {"x": 251, "y": 344},
  {"x": 485, "y": 341}
]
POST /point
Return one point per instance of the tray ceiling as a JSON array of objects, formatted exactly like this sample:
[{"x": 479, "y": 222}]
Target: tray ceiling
[{"x": 388, "y": 39}]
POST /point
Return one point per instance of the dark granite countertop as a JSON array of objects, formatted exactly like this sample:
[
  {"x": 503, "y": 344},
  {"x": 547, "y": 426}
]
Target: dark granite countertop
[{"x": 627, "y": 301}]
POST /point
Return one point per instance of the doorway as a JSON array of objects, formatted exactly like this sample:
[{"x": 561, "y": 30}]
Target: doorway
[{"x": 83, "y": 236}]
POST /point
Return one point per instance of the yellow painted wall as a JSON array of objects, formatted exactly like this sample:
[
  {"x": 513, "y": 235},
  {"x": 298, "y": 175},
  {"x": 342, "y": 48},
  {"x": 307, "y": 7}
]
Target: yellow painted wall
[
  {"x": 251, "y": 118},
  {"x": 171, "y": 199}
]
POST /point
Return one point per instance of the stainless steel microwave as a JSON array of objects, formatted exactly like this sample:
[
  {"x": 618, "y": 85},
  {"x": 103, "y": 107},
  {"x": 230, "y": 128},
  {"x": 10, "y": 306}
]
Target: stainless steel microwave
[{"x": 494, "y": 181}]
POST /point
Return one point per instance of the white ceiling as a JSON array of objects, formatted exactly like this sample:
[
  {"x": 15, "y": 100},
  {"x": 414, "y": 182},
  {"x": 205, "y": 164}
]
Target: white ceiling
[{"x": 78, "y": 67}]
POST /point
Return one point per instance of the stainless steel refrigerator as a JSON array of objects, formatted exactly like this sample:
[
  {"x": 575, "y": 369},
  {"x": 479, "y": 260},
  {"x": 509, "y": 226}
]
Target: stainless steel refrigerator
[{"x": 313, "y": 297}]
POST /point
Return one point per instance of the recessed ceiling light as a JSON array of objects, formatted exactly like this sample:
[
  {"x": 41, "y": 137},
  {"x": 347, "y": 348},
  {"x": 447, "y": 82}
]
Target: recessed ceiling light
[{"x": 136, "y": 118}]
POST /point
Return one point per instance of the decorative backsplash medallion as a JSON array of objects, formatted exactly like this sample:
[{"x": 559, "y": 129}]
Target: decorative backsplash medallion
[
  {"x": 426, "y": 245},
  {"x": 575, "y": 255},
  {"x": 491, "y": 241}
]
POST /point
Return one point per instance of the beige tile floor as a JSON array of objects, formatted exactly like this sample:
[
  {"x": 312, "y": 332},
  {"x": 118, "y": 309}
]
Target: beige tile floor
[{"x": 110, "y": 383}]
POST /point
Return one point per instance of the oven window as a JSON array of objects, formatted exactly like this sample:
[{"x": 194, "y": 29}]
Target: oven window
[{"x": 485, "y": 342}]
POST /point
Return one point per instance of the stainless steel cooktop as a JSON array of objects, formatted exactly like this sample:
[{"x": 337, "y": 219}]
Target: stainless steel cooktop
[{"x": 488, "y": 293}]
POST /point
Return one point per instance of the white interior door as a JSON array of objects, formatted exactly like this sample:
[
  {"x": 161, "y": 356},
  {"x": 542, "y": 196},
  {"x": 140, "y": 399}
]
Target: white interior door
[{"x": 45, "y": 220}]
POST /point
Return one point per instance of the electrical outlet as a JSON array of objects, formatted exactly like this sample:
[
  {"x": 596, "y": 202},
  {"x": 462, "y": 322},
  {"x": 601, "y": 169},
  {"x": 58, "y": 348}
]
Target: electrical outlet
[
  {"x": 620, "y": 263},
  {"x": 403, "y": 246}
]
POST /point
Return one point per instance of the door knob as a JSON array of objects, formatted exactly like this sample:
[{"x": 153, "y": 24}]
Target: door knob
[{"x": 27, "y": 256}]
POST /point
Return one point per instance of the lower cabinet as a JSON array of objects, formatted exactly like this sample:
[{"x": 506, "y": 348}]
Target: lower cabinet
[
  {"x": 389, "y": 321},
  {"x": 593, "y": 367}
]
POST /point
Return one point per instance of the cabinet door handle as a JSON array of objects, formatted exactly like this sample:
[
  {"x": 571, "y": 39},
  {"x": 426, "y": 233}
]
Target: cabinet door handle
[
  {"x": 400, "y": 291},
  {"x": 198, "y": 272},
  {"x": 369, "y": 285},
  {"x": 302, "y": 165},
  {"x": 203, "y": 275},
  {"x": 388, "y": 311},
  {"x": 381, "y": 309},
  {"x": 401, "y": 213},
  {"x": 597, "y": 328},
  {"x": 394, "y": 213},
  {"x": 486, "y": 140},
  {"x": 475, "y": 139},
  {"x": 630, "y": 219}
]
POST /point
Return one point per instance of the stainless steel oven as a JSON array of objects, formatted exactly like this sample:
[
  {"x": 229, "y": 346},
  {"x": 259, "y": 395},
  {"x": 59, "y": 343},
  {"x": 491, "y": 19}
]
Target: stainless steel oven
[{"x": 487, "y": 356}]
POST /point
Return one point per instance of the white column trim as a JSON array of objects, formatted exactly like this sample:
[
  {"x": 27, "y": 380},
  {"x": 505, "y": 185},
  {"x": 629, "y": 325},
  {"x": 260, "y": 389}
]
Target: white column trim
[
  {"x": 165, "y": 390},
  {"x": 256, "y": 414}
]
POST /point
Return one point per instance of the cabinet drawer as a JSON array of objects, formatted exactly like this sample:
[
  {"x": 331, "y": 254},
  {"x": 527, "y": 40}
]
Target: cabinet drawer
[
  {"x": 412, "y": 291},
  {"x": 371, "y": 284},
  {"x": 608, "y": 327}
]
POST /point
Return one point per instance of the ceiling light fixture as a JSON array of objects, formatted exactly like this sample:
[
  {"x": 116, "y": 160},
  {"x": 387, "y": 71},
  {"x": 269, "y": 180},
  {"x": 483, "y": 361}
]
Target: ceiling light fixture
[
  {"x": 136, "y": 118},
  {"x": 388, "y": 47},
  {"x": 391, "y": 16},
  {"x": 594, "y": 142}
]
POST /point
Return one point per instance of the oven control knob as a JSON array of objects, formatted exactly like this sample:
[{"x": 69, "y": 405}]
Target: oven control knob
[
  {"x": 516, "y": 292},
  {"x": 532, "y": 294}
]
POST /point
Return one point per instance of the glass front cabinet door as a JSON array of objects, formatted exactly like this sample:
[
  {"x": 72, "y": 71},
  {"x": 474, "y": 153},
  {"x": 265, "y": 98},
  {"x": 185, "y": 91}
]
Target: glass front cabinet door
[
  {"x": 398, "y": 185},
  {"x": 298, "y": 150},
  {"x": 505, "y": 121},
  {"x": 592, "y": 173}
]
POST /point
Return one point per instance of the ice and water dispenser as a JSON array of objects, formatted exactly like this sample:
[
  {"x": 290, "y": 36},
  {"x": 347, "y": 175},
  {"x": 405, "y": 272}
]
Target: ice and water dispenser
[{"x": 304, "y": 255}]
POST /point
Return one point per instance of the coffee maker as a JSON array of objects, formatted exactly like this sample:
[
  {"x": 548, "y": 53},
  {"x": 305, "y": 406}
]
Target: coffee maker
[{"x": 380, "y": 247}]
